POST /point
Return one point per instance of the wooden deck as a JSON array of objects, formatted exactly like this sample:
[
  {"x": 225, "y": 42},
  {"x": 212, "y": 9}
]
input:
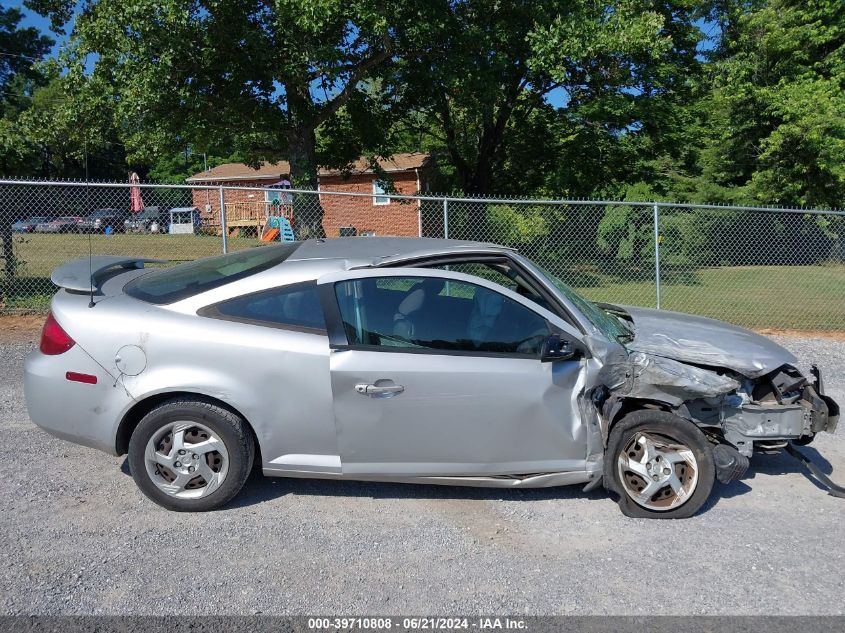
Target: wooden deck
[{"x": 250, "y": 215}]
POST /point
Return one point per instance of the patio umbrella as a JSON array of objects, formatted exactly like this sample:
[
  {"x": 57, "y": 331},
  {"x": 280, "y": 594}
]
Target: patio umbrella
[{"x": 136, "y": 202}]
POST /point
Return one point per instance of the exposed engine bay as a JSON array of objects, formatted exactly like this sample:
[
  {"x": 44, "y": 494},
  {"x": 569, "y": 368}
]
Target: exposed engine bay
[{"x": 768, "y": 411}]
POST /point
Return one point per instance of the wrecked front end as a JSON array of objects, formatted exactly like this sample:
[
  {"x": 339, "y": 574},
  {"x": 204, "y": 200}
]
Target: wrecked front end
[
  {"x": 738, "y": 413},
  {"x": 767, "y": 412}
]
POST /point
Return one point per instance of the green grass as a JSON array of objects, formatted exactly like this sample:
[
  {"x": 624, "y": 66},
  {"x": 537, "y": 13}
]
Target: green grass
[
  {"x": 39, "y": 254},
  {"x": 42, "y": 253},
  {"x": 789, "y": 297}
]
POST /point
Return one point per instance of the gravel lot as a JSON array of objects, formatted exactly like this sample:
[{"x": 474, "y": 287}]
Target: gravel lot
[{"x": 79, "y": 538}]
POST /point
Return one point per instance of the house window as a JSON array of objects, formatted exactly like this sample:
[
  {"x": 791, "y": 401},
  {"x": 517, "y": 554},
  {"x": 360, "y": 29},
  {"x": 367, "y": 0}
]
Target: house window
[{"x": 379, "y": 191}]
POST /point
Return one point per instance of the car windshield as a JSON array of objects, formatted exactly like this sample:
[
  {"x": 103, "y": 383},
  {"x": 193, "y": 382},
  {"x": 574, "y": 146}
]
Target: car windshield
[
  {"x": 66, "y": 218},
  {"x": 611, "y": 326},
  {"x": 34, "y": 220},
  {"x": 174, "y": 284}
]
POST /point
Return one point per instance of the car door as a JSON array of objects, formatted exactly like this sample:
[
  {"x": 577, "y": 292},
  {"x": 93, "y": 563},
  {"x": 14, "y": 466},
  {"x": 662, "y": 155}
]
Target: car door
[{"x": 439, "y": 373}]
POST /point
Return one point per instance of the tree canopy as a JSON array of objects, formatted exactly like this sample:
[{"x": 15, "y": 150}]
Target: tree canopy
[{"x": 703, "y": 100}]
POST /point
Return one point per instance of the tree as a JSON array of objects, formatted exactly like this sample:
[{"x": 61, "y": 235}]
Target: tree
[
  {"x": 69, "y": 136},
  {"x": 20, "y": 49},
  {"x": 480, "y": 70},
  {"x": 775, "y": 125},
  {"x": 265, "y": 72}
]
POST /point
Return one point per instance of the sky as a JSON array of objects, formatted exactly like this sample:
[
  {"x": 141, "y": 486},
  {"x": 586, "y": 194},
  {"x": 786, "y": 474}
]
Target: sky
[{"x": 30, "y": 18}]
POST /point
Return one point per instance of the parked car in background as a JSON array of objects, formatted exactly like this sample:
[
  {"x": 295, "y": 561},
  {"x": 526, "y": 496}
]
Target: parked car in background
[
  {"x": 409, "y": 360},
  {"x": 150, "y": 220},
  {"x": 63, "y": 224},
  {"x": 28, "y": 225},
  {"x": 101, "y": 220}
]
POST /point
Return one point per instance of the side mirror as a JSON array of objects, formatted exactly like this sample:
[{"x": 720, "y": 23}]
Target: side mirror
[{"x": 554, "y": 348}]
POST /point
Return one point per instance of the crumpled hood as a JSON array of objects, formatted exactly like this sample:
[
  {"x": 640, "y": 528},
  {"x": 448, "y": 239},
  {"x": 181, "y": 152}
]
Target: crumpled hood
[{"x": 703, "y": 341}]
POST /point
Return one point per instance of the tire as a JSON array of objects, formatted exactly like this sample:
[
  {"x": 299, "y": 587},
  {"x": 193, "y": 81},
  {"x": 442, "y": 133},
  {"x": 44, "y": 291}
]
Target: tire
[
  {"x": 658, "y": 452},
  {"x": 191, "y": 455}
]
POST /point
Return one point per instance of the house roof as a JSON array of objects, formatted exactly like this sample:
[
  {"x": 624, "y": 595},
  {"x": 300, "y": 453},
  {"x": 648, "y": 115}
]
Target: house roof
[
  {"x": 404, "y": 161},
  {"x": 233, "y": 172},
  {"x": 239, "y": 171}
]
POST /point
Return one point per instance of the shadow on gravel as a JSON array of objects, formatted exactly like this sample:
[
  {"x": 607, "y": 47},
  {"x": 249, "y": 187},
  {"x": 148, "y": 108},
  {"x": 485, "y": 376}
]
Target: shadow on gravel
[
  {"x": 779, "y": 463},
  {"x": 259, "y": 489}
]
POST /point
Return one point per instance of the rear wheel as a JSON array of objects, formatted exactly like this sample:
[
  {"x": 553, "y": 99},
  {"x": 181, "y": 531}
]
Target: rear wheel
[
  {"x": 191, "y": 455},
  {"x": 660, "y": 465}
]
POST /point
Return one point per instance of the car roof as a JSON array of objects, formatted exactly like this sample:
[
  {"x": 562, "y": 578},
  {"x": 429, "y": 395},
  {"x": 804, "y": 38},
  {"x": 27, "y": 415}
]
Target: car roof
[
  {"x": 372, "y": 250},
  {"x": 310, "y": 259}
]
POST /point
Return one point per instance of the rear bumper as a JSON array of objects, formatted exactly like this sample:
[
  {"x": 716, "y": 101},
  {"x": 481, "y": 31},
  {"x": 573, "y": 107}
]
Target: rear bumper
[{"x": 77, "y": 412}]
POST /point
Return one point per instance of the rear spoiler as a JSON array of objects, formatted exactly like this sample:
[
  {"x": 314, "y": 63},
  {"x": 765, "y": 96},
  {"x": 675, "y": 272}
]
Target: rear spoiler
[{"x": 83, "y": 275}]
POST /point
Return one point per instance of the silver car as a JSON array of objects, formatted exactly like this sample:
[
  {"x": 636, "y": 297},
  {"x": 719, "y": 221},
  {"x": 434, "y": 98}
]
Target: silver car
[{"x": 406, "y": 360}]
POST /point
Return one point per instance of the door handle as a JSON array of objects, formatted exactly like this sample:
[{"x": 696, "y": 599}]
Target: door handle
[{"x": 379, "y": 391}]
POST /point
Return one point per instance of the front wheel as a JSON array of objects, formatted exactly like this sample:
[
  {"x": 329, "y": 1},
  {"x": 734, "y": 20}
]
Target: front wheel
[
  {"x": 660, "y": 465},
  {"x": 191, "y": 455}
]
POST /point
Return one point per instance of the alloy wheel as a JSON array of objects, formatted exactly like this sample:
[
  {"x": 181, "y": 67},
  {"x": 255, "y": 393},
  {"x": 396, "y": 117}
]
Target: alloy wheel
[
  {"x": 186, "y": 460},
  {"x": 657, "y": 472}
]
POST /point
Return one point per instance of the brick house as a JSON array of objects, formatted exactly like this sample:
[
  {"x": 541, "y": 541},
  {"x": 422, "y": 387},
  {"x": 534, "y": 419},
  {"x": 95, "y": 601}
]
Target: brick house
[{"x": 374, "y": 211}]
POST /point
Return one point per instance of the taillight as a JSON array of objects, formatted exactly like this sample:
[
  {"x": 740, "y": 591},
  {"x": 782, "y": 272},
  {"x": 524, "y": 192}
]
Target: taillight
[{"x": 54, "y": 340}]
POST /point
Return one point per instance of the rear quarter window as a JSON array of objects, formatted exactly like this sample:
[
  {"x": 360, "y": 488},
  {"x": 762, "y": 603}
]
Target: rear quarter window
[
  {"x": 294, "y": 307},
  {"x": 187, "y": 280}
]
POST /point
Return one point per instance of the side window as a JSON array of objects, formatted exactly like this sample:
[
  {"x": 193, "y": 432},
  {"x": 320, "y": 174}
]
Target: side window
[
  {"x": 501, "y": 274},
  {"x": 296, "y": 306},
  {"x": 482, "y": 270},
  {"x": 436, "y": 314}
]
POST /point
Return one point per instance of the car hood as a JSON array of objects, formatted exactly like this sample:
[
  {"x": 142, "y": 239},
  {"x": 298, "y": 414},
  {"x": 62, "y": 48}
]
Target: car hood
[{"x": 702, "y": 341}]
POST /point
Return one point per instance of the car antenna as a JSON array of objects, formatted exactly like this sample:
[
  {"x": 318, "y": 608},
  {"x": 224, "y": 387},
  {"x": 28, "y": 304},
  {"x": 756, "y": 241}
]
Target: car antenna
[{"x": 88, "y": 206}]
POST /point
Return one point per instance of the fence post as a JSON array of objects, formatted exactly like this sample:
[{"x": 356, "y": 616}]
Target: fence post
[
  {"x": 657, "y": 254},
  {"x": 446, "y": 218},
  {"x": 223, "y": 228}
]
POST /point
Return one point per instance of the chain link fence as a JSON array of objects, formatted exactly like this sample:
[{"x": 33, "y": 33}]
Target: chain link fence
[{"x": 757, "y": 267}]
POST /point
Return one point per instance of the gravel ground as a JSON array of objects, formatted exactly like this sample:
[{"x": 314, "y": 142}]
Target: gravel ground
[{"x": 80, "y": 539}]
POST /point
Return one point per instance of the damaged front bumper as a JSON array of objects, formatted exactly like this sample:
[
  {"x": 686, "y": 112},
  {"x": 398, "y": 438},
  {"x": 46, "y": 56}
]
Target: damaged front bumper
[
  {"x": 738, "y": 413},
  {"x": 793, "y": 410}
]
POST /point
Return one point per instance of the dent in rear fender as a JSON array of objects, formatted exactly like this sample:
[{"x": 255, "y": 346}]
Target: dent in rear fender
[
  {"x": 277, "y": 380},
  {"x": 78, "y": 412}
]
